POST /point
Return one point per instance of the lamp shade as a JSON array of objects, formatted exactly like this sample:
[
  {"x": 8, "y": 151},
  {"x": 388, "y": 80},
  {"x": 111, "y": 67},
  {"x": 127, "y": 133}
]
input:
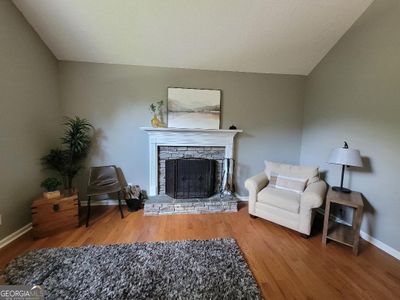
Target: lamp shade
[{"x": 346, "y": 157}]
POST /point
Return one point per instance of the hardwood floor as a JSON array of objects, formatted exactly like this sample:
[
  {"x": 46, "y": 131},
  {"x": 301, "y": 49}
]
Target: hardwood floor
[{"x": 284, "y": 264}]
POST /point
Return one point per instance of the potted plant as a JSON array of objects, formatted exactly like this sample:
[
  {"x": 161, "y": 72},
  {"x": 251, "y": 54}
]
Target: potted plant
[
  {"x": 68, "y": 159},
  {"x": 50, "y": 184},
  {"x": 156, "y": 109}
]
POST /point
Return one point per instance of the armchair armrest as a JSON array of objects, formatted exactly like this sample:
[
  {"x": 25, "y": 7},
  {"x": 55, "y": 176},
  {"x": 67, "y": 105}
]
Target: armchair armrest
[
  {"x": 254, "y": 185},
  {"x": 313, "y": 195}
]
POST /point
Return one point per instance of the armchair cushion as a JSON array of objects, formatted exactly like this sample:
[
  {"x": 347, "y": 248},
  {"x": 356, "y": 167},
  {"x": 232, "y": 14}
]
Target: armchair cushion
[
  {"x": 307, "y": 172},
  {"x": 283, "y": 199},
  {"x": 293, "y": 184}
]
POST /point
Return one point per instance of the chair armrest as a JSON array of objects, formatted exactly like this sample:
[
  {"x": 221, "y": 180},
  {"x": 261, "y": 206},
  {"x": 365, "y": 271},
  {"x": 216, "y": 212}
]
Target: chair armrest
[
  {"x": 254, "y": 185},
  {"x": 313, "y": 195}
]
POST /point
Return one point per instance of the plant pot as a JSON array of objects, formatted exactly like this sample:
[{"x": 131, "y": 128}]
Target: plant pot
[
  {"x": 51, "y": 195},
  {"x": 133, "y": 204}
]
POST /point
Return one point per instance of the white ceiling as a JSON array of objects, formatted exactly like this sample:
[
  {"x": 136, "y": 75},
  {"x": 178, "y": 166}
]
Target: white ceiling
[{"x": 265, "y": 36}]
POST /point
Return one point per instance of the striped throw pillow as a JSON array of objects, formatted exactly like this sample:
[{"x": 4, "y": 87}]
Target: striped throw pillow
[{"x": 293, "y": 184}]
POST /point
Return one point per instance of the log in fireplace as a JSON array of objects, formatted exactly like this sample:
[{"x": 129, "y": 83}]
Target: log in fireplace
[{"x": 190, "y": 178}]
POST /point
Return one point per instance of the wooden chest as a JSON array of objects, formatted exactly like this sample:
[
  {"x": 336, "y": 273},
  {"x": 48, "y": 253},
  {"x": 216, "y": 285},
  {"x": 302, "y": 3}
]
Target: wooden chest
[{"x": 51, "y": 216}]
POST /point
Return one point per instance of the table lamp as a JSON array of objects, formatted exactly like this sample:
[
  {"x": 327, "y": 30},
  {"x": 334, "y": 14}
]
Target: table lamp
[{"x": 346, "y": 157}]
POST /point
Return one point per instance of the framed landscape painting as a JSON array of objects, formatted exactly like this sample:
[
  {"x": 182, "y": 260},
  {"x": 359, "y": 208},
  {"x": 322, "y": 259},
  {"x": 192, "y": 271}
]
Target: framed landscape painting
[{"x": 194, "y": 108}]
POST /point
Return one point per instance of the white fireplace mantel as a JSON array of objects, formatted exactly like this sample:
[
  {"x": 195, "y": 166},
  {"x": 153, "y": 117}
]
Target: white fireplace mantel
[{"x": 185, "y": 137}]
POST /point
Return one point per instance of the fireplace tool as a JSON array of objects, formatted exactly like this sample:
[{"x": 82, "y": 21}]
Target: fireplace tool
[{"x": 226, "y": 186}]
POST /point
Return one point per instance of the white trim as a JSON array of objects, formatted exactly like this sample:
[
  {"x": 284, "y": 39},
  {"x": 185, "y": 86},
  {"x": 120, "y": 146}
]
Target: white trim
[
  {"x": 170, "y": 129},
  {"x": 242, "y": 198},
  {"x": 185, "y": 137},
  {"x": 377, "y": 243},
  {"x": 13, "y": 236},
  {"x": 103, "y": 202}
]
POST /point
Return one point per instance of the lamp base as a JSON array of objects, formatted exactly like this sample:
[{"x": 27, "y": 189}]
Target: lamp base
[{"x": 341, "y": 189}]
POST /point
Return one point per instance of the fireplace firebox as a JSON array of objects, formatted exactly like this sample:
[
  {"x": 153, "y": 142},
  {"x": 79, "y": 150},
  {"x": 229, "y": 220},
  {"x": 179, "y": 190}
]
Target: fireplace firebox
[{"x": 190, "y": 178}]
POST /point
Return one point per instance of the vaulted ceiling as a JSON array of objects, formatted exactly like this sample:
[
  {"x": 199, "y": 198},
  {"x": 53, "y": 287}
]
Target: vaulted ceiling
[{"x": 265, "y": 36}]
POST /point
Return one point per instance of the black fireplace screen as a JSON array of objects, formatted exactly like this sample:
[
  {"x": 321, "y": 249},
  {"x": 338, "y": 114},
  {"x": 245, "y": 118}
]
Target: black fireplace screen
[{"x": 189, "y": 178}]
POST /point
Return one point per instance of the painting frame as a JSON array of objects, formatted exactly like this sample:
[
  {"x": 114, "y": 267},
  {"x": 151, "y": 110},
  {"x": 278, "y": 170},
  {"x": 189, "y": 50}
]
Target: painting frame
[{"x": 194, "y": 108}]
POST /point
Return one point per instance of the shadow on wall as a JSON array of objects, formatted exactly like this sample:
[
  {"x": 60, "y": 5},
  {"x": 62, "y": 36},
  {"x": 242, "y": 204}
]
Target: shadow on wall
[
  {"x": 241, "y": 171},
  {"x": 368, "y": 216},
  {"x": 98, "y": 139},
  {"x": 369, "y": 210},
  {"x": 82, "y": 178},
  {"x": 366, "y": 168}
]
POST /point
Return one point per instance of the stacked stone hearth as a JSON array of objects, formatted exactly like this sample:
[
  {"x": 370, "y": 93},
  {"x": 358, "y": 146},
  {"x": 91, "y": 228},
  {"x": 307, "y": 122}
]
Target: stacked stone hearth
[{"x": 165, "y": 205}]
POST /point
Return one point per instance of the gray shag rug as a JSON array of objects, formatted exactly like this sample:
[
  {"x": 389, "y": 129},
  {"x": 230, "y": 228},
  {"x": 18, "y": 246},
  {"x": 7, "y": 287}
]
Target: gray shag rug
[{"x": 211, "y": 269}]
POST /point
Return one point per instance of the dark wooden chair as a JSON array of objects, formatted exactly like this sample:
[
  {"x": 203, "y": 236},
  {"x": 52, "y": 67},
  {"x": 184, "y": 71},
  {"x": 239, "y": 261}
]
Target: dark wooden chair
[{"x": 103, "y": 180}]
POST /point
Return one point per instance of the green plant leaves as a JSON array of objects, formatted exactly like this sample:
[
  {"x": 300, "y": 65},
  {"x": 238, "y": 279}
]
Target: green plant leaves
[
  {"x": 50, "y": 184},
  {"x": 67, "y": 160}
]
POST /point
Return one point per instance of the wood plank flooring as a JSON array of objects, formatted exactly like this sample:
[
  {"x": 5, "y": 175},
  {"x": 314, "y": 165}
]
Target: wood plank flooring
[{"x": 284, "y": 264}]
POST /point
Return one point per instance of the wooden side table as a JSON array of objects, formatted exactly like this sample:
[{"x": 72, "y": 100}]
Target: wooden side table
[{"x": 342, "y": 233}]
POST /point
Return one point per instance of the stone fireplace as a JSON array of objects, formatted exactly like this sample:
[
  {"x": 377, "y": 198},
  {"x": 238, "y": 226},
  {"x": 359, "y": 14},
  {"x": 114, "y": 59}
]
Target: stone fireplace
[
  {"x": 179, "y": 137},
  {"x": 176, "y": 143}
]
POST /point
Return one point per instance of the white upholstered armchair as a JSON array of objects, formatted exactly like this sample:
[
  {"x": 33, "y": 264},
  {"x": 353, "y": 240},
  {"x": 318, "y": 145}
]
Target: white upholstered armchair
[{"x": 287, "y": 195}]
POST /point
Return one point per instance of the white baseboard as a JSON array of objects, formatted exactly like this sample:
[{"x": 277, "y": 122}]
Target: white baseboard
[
  {"x": 242, "y": 198},
  {"x": 381, "y": 245},
  {"x": 103, "y": 202},
  {"x": 13, "y": 236},
  {"x": 377, "y": 243}
]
